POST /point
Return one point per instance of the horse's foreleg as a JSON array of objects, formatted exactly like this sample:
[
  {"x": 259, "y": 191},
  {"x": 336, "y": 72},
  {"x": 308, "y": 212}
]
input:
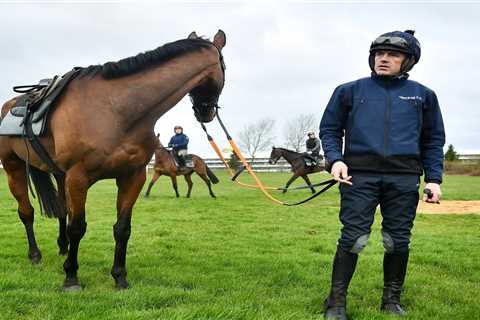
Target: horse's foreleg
[
  {"x": 155, "y": 177},
  {"x": 62, "y": 240},
  {"x": 289, "y": 182},
  {"x": 188, "y": 179},
  {"x": 17, "y": 182},
  {"x": 76, "y": 187},
  {"x": 129, "y": 187},
  {"x": 174, "y": 184},
  {"x": 307, "y": 180}
]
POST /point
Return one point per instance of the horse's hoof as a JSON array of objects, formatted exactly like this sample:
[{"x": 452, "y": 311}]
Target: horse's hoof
[
  {"x": 71, "y": 285},
  {"x": 145, "y": 196},
  {"x": 121, "y": 284},
  {"x": 35, "y": 257},
  {"x": 63, "y": 251},
  {"x": 213, "y": 196}
]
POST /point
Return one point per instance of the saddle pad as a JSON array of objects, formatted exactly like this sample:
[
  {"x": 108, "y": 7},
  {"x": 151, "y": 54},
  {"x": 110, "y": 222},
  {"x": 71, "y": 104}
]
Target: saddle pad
[{"x": 12, "y": 123}]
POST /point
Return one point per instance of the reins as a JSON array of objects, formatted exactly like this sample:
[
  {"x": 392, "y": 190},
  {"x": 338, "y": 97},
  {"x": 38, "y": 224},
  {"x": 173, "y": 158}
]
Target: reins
[{"x": 259, "y": 185}]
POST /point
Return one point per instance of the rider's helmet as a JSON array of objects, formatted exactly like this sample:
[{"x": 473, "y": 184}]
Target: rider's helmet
[
  {"x": 401, "y": 41},
  {"x": 177, "y": 127}
]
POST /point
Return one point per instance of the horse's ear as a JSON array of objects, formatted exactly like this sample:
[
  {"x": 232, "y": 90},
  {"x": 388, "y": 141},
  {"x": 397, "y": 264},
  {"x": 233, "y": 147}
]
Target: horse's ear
[
  {"x": 220, "y": 40},
  {"x": 192, "y": 35}
]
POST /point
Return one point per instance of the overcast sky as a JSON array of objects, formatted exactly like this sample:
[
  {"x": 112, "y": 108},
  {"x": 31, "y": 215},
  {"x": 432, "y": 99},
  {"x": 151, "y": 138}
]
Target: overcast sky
[{"x": 283, "y": 58}]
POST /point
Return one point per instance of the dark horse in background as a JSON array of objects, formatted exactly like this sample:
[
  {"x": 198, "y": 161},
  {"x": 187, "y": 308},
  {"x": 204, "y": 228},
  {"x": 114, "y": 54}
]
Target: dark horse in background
[
  {"x": 165, "y": 165},
  {"x": 102, "y": 127},
  {"x": 299, "y": 167}
]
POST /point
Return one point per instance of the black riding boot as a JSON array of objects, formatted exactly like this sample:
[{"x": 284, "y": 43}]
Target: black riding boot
[
  {"x": 394, "y": 271},
  {"x": 344, "y": 265}
]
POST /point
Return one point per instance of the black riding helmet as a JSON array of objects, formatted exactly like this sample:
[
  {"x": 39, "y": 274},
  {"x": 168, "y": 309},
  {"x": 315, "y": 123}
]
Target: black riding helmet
[{"x": 399, "y": 41}]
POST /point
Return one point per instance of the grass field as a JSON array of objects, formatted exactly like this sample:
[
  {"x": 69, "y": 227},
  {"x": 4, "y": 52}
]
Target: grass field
[{"x": 236, "y": 257}]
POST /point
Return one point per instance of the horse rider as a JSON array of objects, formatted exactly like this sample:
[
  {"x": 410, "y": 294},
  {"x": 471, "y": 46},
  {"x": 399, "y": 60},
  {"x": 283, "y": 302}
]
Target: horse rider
[
  {"x": 313, "y": 147},
  {"x": 394, "y": 133},
  {"x": 179, "y": 144}
]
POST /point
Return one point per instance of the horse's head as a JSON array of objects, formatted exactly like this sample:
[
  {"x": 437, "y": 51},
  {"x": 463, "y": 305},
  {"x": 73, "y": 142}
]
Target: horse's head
[
  {"x": 275, "y": 155},
  {"x": 205, "y": 96}
]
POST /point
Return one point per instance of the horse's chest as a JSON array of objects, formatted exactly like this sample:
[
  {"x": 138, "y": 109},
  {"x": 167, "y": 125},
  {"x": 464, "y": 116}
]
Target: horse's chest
[{"x": 129, "y": 156}]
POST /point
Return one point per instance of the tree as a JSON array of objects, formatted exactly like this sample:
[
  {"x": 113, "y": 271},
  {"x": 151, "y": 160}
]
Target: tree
[
  {"x": 296, "y": 130},
  {"x": 451, "y": 154},
  {"x": 257, "y": 136}
]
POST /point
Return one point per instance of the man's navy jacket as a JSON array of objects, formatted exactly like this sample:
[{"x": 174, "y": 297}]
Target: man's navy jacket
[
  {"x": 390, "y": 126},
  {"x": 178, "y": 142}
]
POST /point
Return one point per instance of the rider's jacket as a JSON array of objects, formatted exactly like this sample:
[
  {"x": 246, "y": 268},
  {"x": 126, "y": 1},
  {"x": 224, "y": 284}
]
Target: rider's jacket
[
  {"x": 313, "y": 145},
  {"x": 390, "y": 126},
  {"x": 178, "y": 142}
]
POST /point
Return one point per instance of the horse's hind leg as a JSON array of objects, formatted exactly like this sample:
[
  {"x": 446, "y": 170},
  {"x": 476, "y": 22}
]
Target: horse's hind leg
[
  {"x": 17, "y": 182},
  {"x": 307, "y": 180},
  {"x": 62, "y": 240},
  {"x": 129, "y": 187},
  {"x": 188, "y": 179},
  {"x": 155, "y": 177},
  {"x": 207, "y": 181}
]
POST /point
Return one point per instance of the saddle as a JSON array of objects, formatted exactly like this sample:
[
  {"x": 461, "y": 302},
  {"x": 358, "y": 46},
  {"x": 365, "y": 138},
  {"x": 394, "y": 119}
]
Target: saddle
[
  {"x": 311, "y": 161},
  {"x": 34, "y": 105},
  {"x": 188, "y": 161}
]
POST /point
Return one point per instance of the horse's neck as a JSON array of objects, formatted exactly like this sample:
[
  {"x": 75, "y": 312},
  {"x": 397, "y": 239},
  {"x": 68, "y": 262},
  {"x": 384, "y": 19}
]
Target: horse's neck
[
  {"x": 141, "y": 99},
  {"x": 289, "y": 156}
]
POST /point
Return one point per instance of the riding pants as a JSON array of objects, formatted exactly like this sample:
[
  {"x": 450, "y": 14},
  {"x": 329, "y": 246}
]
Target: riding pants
[{"x": 397, "y": 195}]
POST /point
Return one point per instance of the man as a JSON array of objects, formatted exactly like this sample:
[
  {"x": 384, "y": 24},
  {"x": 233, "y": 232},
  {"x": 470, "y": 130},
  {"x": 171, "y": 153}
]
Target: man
[
  {"x": 313, "y": 147},
  {"x": 179, "y": 144},
  {"x": 393, "y": 132}
]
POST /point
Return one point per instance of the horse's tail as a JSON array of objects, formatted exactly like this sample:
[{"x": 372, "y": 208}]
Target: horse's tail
[
  {"x": 213, "y": 178},
  {"x": 51, "y": 203}
]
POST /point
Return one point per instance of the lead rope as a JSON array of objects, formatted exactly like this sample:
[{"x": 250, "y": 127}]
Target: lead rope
[{"x": 328, "y": 184}]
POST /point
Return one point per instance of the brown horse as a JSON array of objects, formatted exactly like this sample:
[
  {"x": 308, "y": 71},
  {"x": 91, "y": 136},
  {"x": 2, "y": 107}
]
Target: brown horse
[
  {"x": 297, "y": 161},
  {"x": 165, "y": 165},
  {"x": 103, "y": 127}
]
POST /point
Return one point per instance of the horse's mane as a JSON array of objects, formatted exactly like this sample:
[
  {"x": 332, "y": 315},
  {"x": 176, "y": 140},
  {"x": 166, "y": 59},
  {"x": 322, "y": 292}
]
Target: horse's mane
[
  {"x": 141, "y": 61},
  {"x": 288, "y": 150}
]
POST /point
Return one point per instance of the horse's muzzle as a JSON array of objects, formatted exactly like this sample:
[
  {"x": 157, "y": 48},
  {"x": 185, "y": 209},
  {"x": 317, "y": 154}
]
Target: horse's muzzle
[{"x": 205, "y": 112}]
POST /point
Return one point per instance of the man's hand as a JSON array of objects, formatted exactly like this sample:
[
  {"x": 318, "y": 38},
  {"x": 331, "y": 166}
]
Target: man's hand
[
  {"x": 436, "y": 193},
  {"x": 340, "y": 172}
]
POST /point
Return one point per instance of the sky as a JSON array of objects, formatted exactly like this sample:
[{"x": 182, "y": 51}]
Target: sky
[{"x": 283, "y": 58}]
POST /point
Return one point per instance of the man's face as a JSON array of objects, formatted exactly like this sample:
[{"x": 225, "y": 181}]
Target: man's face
[
  {"x": 388, "y": 63},
  {"x": 311, "y": 135},
  {"x": 178, "y": 131}
]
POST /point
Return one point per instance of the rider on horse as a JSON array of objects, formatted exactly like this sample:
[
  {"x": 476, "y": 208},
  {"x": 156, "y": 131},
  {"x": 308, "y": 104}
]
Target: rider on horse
[
  {"x": 313, "y": 148},
  {"x": 179, "y": 144}
]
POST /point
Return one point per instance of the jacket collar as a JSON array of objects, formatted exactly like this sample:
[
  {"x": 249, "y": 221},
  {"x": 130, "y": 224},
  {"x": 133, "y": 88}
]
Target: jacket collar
[{"x": 389, "y": 81}]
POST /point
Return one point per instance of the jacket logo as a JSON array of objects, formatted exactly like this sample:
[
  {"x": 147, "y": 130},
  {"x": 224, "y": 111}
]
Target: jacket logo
[{"x": 411, "y": 98}]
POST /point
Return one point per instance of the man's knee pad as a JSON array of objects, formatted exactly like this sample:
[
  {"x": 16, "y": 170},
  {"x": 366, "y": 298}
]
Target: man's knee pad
[
  {"x": 388, "y": 243},
  {"x": 360, "y": 243}
]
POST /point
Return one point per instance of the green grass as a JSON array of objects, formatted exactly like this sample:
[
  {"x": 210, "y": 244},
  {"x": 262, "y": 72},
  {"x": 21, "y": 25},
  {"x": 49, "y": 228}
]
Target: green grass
[{"x": 236, "y": 257}]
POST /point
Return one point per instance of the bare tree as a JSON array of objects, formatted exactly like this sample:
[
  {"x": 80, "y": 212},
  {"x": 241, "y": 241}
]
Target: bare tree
[
  {"x": 257, "y": 136},
  {"x": 296, "y": 130}
]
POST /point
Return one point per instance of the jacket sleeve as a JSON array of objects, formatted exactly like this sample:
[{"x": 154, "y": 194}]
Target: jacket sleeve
[
  {"x": 171, "y": 144},
  {"x": 332, "y": 126},
  {"x": 432, "y": 140},
  {"x": 184, "y": 141},
  {"x": 317, "y": 147}
]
